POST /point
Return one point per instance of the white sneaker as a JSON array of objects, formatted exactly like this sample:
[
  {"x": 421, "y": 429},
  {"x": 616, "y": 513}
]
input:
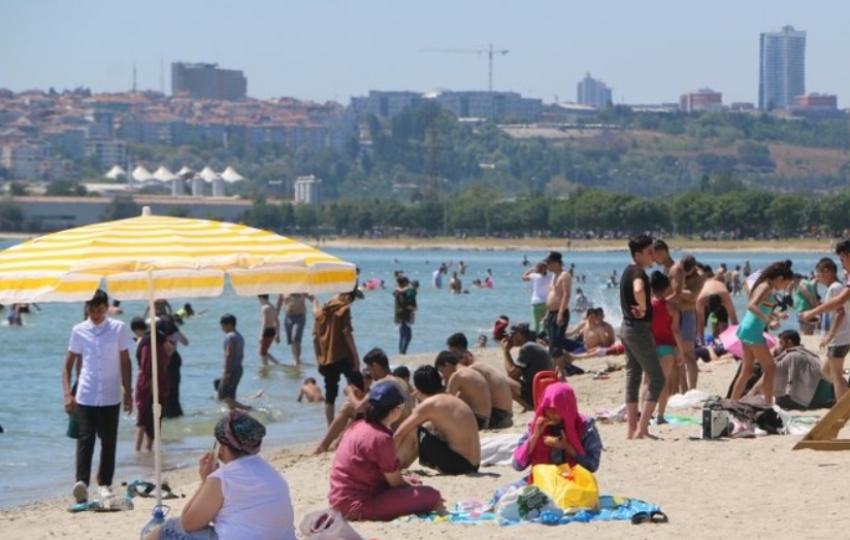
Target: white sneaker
[
  {"x": 80, "y": 492},
  {"x": 106, "y": 493}
]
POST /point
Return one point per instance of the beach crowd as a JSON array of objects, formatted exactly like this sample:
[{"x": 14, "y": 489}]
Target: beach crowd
[{"x": 675, "y": 314}]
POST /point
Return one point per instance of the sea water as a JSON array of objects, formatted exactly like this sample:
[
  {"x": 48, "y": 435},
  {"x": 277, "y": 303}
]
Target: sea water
[{"x": 37, "y": 459}]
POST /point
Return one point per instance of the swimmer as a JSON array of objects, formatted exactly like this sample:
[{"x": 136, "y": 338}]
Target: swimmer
[
  {"x": 115, "y": 309},
  {"x": 310, "y": 391}
]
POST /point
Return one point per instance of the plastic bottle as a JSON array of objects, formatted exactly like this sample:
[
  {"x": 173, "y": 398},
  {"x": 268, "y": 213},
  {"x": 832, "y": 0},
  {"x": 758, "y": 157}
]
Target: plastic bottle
[{"x": 159, "y": 513}]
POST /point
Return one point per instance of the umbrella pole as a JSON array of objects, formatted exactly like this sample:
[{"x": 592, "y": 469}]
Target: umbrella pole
[{"x": 157, "y": 408}]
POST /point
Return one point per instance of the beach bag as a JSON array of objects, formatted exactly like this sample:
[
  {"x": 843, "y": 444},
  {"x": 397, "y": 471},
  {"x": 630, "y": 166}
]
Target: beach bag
[
  {"x": 569, "y": 487},
  {"x": 327, "y": 524},
  {"x": 524, "y": 503}
]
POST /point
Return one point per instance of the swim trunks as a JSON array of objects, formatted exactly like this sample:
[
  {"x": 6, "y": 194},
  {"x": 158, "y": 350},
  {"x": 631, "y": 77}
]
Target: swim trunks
[
  {"x": 500, "y": 419},
  {"x": 269, "y": 333},
  {"x": 435, "y": 453}
]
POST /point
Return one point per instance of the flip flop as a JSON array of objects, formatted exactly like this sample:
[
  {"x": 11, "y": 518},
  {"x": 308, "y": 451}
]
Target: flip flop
[
  {"x": 641, "y": 517},
  {"x": 659, "y": 517}
]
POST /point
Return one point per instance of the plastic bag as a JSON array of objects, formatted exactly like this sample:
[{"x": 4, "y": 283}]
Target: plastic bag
[
  {"x": 525, "y": 503},
  {"x": 326, "y": 525},
  {"x": 569, "y": 487}
]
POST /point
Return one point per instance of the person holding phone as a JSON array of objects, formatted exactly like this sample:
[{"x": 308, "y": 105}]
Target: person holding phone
[{"x": 244, "y": 497}]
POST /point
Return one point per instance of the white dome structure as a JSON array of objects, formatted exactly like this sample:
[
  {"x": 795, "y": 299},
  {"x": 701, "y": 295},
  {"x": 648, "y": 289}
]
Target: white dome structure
[{"x": 115, "y": 173}]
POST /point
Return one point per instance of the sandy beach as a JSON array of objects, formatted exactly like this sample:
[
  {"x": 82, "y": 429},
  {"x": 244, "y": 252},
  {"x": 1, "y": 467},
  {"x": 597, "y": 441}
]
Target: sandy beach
[{"x": 746, "y": 488}]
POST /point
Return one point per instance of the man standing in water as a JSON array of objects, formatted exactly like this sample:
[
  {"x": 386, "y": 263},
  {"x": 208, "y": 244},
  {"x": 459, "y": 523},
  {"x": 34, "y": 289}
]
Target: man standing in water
[
  {"x": 270, "y": 329},
  {"x": 636, "y": 335},
  {"x": 295, "y": 310},
  {"x": 336, "y": 352},
  {"x": 102, "y": 347},
  {"x": 558, "y": 300}
]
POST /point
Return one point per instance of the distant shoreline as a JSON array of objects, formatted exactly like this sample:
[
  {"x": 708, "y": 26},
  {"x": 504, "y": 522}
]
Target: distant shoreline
[
  {"x": 540, "y": 244},
  {"x": 546, "y": 244}
]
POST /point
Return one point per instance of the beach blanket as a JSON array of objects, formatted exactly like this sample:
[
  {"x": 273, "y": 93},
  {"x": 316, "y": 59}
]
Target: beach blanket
[{"x": 611, "y": 508}]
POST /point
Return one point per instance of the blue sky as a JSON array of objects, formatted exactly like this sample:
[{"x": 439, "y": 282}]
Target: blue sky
[{"x": 648, "y": 51}]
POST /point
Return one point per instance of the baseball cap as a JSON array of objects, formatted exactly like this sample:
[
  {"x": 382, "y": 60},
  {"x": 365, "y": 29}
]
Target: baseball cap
[{"x": 386, "y": 394}]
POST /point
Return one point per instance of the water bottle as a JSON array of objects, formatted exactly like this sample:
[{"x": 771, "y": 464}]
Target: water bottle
[{"x": 159, "y": 513}]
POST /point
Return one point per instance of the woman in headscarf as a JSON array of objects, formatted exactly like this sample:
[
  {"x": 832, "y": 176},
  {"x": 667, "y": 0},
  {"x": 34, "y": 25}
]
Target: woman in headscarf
[
  {"x": 245, "y": 497},
  {"x": 559, "y": 433}
]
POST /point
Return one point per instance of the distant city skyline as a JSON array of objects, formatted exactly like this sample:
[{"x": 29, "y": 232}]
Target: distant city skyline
[{"x": 336, "y": 49}]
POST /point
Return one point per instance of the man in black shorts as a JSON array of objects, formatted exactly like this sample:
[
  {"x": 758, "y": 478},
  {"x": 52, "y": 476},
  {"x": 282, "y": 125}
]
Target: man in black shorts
[
  {"x": 452, "y": 446},
  {"x": 234, "y": 353}
]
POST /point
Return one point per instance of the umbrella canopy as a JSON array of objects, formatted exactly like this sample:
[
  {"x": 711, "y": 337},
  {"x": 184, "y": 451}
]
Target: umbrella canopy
[
  {"x": 230, "y": 175},
  {"x": 152, "y": 257},
  {"x": 733, "y": 345},
  {"x": 140, "y": 174},
  {"x": 185, "y": 172},
  {"x": 164, "y": 175},
  {"x": 208, "y": 174},
  {"x": 115, "y": 173},
  {"x": 186, "y": 258}
]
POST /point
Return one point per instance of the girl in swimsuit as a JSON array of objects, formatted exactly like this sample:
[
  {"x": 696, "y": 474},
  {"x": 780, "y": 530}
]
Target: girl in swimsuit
[{"x": 776, "y": 277}]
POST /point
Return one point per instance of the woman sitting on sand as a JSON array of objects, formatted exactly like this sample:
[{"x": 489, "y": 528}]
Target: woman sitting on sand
[
  {"x": 559, "y": 434},
  {"x": 244, "y": 498},
  {"x": 366, "y": 480}
]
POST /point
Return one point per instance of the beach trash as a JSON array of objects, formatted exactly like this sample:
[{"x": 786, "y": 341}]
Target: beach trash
[
  {"x": 327, "y": 524},
  {"x": 159, "y": 513}
]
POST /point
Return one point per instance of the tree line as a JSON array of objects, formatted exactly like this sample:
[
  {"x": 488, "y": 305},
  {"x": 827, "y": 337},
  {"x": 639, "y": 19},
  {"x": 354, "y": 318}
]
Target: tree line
[{"x": 584, "y": 213}]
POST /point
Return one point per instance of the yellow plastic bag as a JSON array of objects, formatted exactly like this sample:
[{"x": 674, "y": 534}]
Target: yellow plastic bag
[{"x": 569, "y": 487}]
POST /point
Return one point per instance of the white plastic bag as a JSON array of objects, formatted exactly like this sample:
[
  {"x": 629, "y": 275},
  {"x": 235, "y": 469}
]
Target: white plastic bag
[
  {"x": 525, "y": 503},
  {"x": 326, "y": 525}
]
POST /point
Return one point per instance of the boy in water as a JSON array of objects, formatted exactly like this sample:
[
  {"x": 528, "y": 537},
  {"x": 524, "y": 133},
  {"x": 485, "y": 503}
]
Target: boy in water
[
  {"x": 271, "y": 329},
  {"x": 310, "y": 391},
  {"x": 234, "y": 353}
]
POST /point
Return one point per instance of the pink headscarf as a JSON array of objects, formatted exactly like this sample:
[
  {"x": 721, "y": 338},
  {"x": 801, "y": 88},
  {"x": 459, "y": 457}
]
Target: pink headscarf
[{"x": 561, "y": 398}]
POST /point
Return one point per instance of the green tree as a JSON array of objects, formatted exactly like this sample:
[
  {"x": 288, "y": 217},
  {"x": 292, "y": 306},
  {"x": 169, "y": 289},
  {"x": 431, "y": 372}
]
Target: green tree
[
  {"x": 121, "y": 207},
  {"x": 11, "y": 216},
  {"x": 64, "y": 188},
  {"x": 787, "y": 213}
]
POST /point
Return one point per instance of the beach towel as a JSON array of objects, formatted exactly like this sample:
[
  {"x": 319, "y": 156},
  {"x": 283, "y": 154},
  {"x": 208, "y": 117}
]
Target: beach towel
[
  {"x": 611, "y": 508},
  {"x": 499, "y": 450}
]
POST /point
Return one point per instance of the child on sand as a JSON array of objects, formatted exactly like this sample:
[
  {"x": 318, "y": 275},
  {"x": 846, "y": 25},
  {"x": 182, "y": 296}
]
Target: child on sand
[
  {"x": 310, "y": 391},
  {"x": 667, "y": 336}
]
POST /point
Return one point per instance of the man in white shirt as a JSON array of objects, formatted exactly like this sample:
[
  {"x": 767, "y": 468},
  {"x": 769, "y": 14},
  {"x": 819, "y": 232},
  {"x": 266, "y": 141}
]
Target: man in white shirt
[
  {"x": 540, "y": 280},
  {"x": 101, "y": 346}
]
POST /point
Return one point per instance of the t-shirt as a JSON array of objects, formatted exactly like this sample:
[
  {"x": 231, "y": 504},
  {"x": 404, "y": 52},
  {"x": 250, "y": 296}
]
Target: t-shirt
[
  {"x": 437, "y": 278},
  {"x": 540, "y": 287},
  {"x": 627, "y": 293},
  {"x": 662, "y": 323},
  {"x": 404, "y": 300},
  {"x": 257, "y": 503},
  {"x": 100, "y": 346},
  {"x": 236, "y": 343},
  {"x": 801, "y": 300},
  {"x": 364, "y": 455},
  {"x": 842, "y": 336},
  {"x": 532, "y": 359}
]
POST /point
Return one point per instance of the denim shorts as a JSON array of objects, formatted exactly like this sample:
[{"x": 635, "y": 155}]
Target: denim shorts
[
  {"x": 837, "y": 351},
  {"x": 173, "y": 530}
]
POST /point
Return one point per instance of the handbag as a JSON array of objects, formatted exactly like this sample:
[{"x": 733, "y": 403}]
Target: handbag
[{"x": 569, "y": 487}]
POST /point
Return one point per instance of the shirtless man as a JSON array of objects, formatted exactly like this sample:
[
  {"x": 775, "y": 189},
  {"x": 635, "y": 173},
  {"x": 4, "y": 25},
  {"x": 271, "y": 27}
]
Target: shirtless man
[
  {"x": 467, "y": 384},
  {"x": 558, "y": 300},
  {"x": 501, "y": 413},
  {"x": 441, "y": 430},
  {"x": 714, "y": 298},
  {"x": 594, "y": 331},
  {"x": 686, "y": 285},
  {"x": 379, "y": 370},
  {"x": 310, "y": 392},
  {"x": 270, "y": 331}
]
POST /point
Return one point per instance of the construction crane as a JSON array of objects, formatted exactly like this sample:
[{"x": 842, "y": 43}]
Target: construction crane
[{"x": 490, "y": 52}]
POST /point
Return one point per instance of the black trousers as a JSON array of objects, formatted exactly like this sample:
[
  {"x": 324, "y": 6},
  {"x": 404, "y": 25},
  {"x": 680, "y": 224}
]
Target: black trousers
[{"x": 97, "y": 422}]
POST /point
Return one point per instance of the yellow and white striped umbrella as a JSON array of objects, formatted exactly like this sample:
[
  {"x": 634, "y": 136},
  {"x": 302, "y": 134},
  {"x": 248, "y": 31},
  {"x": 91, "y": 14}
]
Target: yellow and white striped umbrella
[{"x": 167, "y": 257}]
